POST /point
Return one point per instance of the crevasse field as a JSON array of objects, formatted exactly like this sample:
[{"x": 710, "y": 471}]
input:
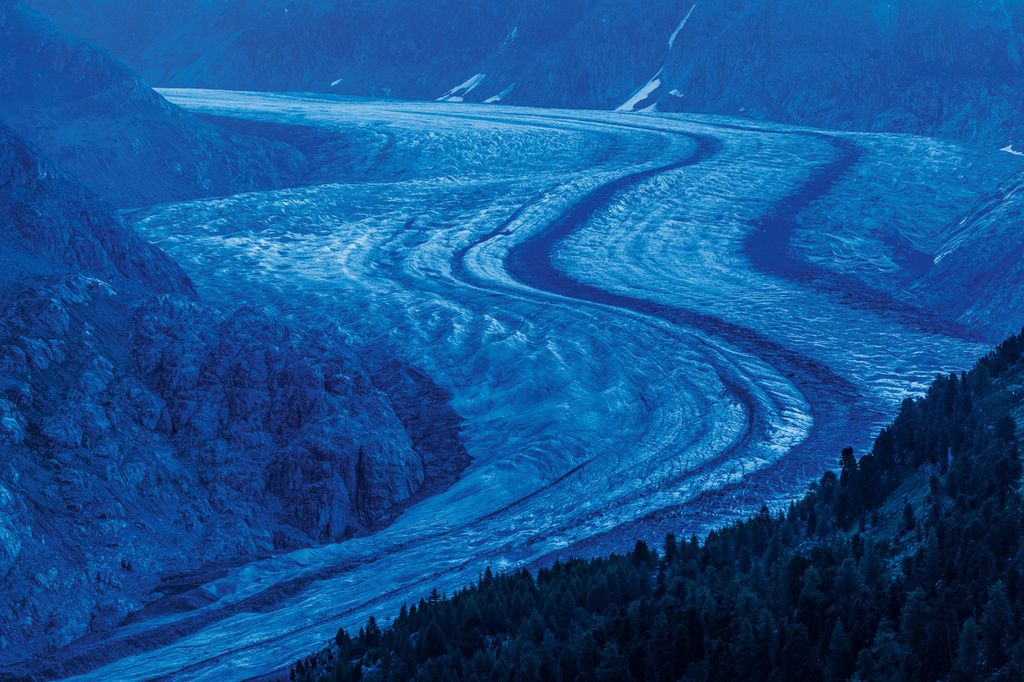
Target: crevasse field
[{"x": 647, "y": 322}]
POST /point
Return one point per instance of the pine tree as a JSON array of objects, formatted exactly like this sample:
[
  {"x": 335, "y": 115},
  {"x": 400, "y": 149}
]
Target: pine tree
[
  {"x": 371, "y": 636},
  {"x": 968, "y": 663},
  {"x": 839, "y": 663},
  {"x": 432, "y": 642},
  {"x": 883, "y": 660},
  {"x": 909, "y": 521},
  {"x": 996, "y": 622}
]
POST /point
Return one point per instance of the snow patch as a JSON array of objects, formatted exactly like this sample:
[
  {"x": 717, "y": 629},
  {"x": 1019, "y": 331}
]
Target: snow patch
[
  {"x": 682, "y": 24},
  {"x": 1010, "y": 150},
  {"x": 336, "y": 83},
  {"x": 511, "y": 38},
  {"x": 494, "y": 99},
  {"x": 675, "y": 93},
  {"x": 643, "y": 93},
  {"x": 459, "y": 92}
]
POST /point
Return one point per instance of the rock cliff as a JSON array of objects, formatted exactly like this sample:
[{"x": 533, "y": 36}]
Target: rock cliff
[{"x": 142, "y": 432}]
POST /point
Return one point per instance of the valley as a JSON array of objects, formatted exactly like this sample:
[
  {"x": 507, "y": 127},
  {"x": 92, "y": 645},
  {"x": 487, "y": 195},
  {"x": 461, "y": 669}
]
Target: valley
[{"x": 646, "y": 323}]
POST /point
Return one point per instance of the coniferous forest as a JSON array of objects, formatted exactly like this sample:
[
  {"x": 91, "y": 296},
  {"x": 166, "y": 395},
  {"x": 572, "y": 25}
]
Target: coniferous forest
[{"x": 904, "y": 564}]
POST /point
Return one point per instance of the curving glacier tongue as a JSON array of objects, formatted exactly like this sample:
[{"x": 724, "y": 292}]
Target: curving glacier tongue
[{"x": 622, "y": 308}]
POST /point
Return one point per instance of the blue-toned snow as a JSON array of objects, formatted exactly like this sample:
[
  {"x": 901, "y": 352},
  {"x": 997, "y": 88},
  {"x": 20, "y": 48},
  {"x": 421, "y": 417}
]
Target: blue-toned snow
[{"x": 586, "y": 285}]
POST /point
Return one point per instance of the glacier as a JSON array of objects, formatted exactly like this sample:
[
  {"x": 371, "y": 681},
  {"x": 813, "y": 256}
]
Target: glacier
[{"x": 645, "y": 322}]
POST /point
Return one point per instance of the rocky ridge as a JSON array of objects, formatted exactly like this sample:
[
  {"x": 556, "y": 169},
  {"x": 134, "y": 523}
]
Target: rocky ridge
[
  {"x": 111, "y": 131},
  {"x": 142, "y": 432},
  {"x": 952, "y": 69}
]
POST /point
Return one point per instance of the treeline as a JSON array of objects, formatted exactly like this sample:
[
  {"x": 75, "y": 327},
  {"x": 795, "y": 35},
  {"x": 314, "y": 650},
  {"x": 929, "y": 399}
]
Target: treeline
[{"x": 905, "y": 565}]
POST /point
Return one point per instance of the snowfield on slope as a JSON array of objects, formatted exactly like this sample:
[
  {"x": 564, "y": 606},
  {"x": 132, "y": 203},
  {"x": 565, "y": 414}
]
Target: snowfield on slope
[{"x": 583, "y": 284}]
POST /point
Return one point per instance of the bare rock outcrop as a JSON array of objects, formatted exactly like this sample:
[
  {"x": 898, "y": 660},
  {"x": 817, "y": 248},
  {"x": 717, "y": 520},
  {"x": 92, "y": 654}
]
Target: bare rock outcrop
[{"x": 144, "y": 433}]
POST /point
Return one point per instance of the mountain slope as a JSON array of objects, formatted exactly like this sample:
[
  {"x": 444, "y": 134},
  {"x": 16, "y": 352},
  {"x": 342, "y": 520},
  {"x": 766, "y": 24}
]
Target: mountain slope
[
  {"x": 144, "y": 433},
  {"x": 50, "y": 225},
  {"x": 983, "y": 259},
  {"x": 578, "y": 54},
  {"x": 951, "y": 68},
  {"x": 111, "y": 131}
]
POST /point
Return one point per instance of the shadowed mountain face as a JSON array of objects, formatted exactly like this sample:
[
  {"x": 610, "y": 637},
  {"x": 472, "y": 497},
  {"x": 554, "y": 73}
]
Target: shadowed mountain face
[
  {"x": 951, "y": 68},
  {"x": 580, "y": 53},
  {"x": 110, "y": 130},
  {"x": 947, "y": 67},
  {"x": 51, "y": 226},
  {"x": 982, "y": 260},
  {"x": 142, "y": 432}
]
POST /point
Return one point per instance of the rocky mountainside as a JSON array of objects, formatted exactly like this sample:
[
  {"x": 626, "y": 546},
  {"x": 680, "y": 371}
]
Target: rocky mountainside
[
  {"x": 51, "y": 226},
  {"x": 950, "y": 68},
  {"x": 383, "y": 47},
  {"x": 111, "y": 131},
  {"x": 143, "y": 433},
  {"x": 983, "y": 260}
]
